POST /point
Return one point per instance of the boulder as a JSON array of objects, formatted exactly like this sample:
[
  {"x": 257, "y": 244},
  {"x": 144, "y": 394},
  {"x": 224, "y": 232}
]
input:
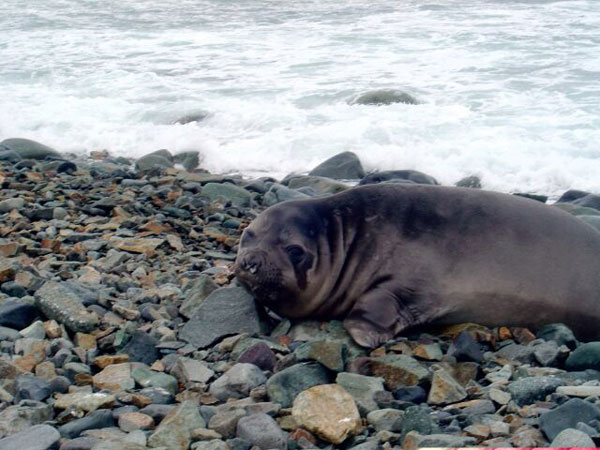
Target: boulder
[
  {"x": 343, "y": 166},
  {"x": 384, "y": 97}
]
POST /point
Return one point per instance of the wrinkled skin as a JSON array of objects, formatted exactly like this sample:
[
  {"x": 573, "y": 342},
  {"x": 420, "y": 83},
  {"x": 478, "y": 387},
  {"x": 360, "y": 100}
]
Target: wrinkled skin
[{"x": 388, "y": 257}]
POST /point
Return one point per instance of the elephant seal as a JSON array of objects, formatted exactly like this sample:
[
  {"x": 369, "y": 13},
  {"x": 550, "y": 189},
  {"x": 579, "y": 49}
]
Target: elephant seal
[{"x": 391, "y": 256}]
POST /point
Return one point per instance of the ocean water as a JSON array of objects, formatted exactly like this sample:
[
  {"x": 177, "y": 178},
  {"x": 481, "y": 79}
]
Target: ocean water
[{"x": 509, "y": 90}]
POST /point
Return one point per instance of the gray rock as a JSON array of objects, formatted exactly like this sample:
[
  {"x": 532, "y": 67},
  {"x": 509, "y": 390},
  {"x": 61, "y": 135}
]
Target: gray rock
[
  {"x": 517, "y": 352},
  {"x": 8, "y": 334},
  {"x": 38, "y": 437},
  {"x": 261, "y": 430},
  {"x": 558, "y": 332},
  {"x": 59, "y": 302},
  {"x": 189, "y": 160},
  {"x": 23, "y": 416},
  {"x": 328, "y": 353},
  {"x": 157, "y": 412},
  {"x": 414, "y": 441},
  {"x": 11, "y": 203},
  {"x": 526, "y": 391},
  {"x": 225, "y": 312},
  {"x": 229, "y": 192},
  {"x": 278, "y": 193},
  {"x": 214, "y": 444},
  {"x": 201, "y": 288},
  {"x": 417, "y": 418},
  {"x": 190, "y": 370},
  {"x": 547, "y": 353},
  {"x": 158, "y": 160},
  {"x": 80, "y": 443},
  {"x": 28, "y": 149},
  {"x": 410, "y": 176},
  {"x": 321, "y": 185},
  {"x": 102, "y": 418},
  {"x": 17, "y": 315},
  {"x": 571, "y": 438},
  {"x": 284, "y": 386},
  {"x": 149, "y": 378},
  {"x": 586, "y": 356},
  {"x": 473, "y": 182},
  {"x": 191, "y": 117},
  {"x": 237, "y": 382},
  {"x": 34, "y": 331},
  {"x": 386, "y": 420},
  {"x": 29, "y": 387},
  {"x": 259, "y": 354},
  {"x": 343, "y": 166},
  {"x": 142, "y": 348},
  {"x": 362, "y": 389},
  {"x": 568, "y": 415},
  {"x": 225, "y": 423},
  {"x": 174, "y": 432},
  {"x": 384, "y": 97}
]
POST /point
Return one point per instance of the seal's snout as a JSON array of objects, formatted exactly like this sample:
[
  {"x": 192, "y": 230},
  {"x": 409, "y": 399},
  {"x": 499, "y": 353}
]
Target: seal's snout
[{"x": 251, "y": 262}]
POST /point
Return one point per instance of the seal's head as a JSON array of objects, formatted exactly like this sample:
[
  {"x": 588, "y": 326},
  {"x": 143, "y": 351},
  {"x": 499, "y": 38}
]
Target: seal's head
[{"x": 278, "y": 255}]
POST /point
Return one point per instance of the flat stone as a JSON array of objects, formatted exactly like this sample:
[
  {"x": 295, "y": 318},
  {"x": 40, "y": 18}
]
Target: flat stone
[
  {"x": 28, "y": 387},
  {"x": 225, "y": 312},
  {"x": 201, "y": 288},
  {"x": 414, "y": 441},
  {"x": 362, "y": 388},
  {"x": 500, "y": 397},
  {"x": 261, "y": 430},
  {"x": 11, "y": 203},
  {"x": 526, "y": 391},
  {"x": 328, "y": 411},
  {"x": 149, "y": 378},
  {"x": 568, "y": 415},
  {"x": 284, "y": 386},
  {"x": 146, "y": 246},
  {"x": 59, "y": 302},
  {"x": 399, "y": 370},
  {"x": 142, "y": 348},
  {"x": 445, "y": 389},
  {"x": 237, "y": 382},
  {"x": 386, "y": 420},
  {"x": 117, "y": 377},
  {"x": 86, "y": 401},
  {"x": 23, "y": 416},
  {"x": 175, "y": 431},
  {"x": 102, "y": 418},
  {"x": 259, "y": 354},
  {"x": 572, "y": 438},
  {"x": 190, "y": 370},
  {"x": 579, "y": 391},
  {"x": 211, "y": 445},
  {"x": 328, "y": 353},
  {"x": 38, "y": 437},
  {"x": 132, "y": 421},
  {"x": 17, "y": 315},
  {"x": 225, "y": 423}
]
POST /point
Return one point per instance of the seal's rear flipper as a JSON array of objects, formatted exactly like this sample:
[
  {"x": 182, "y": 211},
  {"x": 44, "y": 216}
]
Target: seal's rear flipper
[{"x": 375, "y": 318}]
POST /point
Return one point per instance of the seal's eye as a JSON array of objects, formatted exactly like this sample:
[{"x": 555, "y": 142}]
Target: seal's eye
[{"x": 295, "y": 252}]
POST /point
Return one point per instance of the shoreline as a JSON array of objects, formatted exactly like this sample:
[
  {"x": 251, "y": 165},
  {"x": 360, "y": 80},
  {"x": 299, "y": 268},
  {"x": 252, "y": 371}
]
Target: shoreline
[{"x": 121, "y": 326}]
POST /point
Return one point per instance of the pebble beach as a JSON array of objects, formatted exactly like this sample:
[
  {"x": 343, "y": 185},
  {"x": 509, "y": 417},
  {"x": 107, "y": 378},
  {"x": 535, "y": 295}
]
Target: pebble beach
[{"x": 122, "y": 327}]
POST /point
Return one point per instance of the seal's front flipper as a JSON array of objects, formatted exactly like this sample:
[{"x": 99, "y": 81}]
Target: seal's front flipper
[{"x": 375, "y": 318}]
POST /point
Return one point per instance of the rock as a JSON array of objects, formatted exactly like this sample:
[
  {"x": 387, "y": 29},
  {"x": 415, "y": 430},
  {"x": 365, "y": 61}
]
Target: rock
[
  {"x": 201, "y": 288},
  {"x": 189, "y": 160},
  {"x": 278, "y": 193},
  {"x": 386, "y": 419},
  {"x": 34, "y": 331},
  {"x": 214, "y": 444},
  {"x": 175, "y": 431},
  {"x": 11, "y": 203},
  {"x": 572, "y": 438},
  {"x": 547, "y": 354},
  {"x": 472, "y": 181},
  {"x": 102, "y": 418},
  {"x": 445, "y": 389},
  {"x": 146, "y": 246},
  {"x": 500, "y": 397},
  {"x": 38, "y": 437},
  {"x": 229, "y": 192},
  {"x": 586, "y": 356},
  {"x": 362, "y": 389},
  {"x": 399, "y": 370},
  {"x": 579, "y": 391},
  {"x": 406, "y": 176},
  {"x": 417, "y": 418},
  {"x": 28, "y": 149},
  {"x": 225, "y": 312},
  {"x": 149, "y": 378},
  {"x": 328, "y": 411},
  {"x": 321, "y": 185},
  {"x": 132, "y": 421},
  {"x": 28, "y": 387},
  {"x": 414, "y": 441},
  {"x": 225, "y": 423},
  {"x": 59, "y": 302},
  {"x": 284, "y": 386},
  {"x": 17, "y": 315},
  {"x": 428, "y": 352},
  {"x": 328, "y": 353},
  {"x": 190, "y": 370},
  {"x": 568, "y": 415},
  {"x": 237, "y": 382},
  {"x": 516, "y": 352},
  {"x": 155, "y": 161},
  {"x": 465, "y": 348},
  {"x": 384, "y": 97},
  {"x": 85, "y": 401},
  {"x": 411, "y": 394},
  {"x": 343, "y": 166},
  {"x": 142, "y": 348},
  {"x": 260, "y": 354},
  {"x": 261, "y": 430},
  {"x": 23, "y": 416},
  {"x": 526, "y": 391},
  {"x": 114, "y": 378}
]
